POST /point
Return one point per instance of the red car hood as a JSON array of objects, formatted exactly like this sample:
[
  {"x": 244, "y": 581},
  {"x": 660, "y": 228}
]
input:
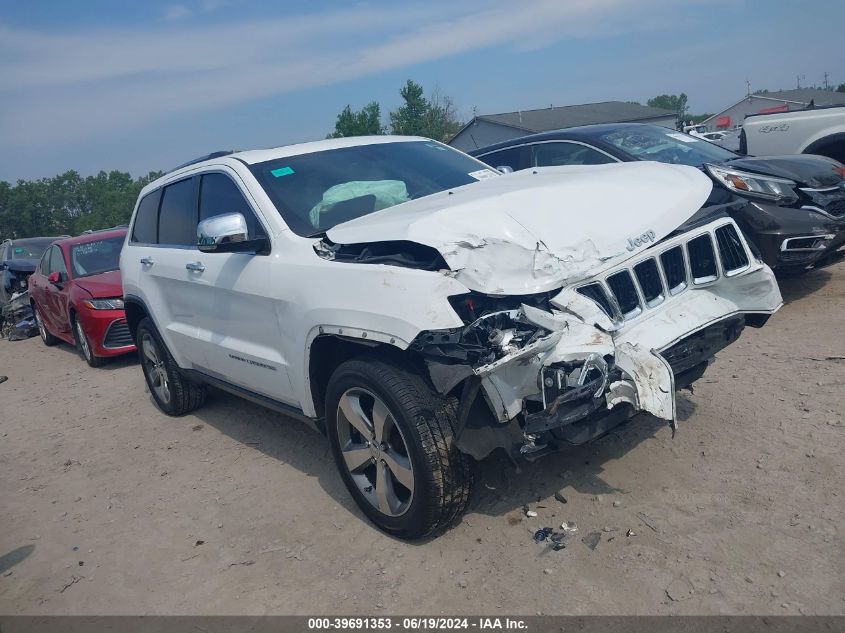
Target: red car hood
[{"x": 102, "y": 286}]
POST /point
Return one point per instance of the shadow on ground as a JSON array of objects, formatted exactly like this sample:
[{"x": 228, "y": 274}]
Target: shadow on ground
[
  {"x": 292, "y": 442},
  {"x": 116, "y": 362},
  {"x": 10, "y": 559},
  {"x": 796, "y": 287}
]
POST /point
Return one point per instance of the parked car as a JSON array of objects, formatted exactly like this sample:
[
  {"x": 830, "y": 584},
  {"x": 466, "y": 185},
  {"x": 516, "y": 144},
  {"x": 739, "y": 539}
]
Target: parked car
[
  {"x": 18, "y": 259},
  {"x": 422, "y": 309},
  {"x": 818, "y": 130},
  {"x": 794, "y": 208},
  {"x": 76, "y": 296}
]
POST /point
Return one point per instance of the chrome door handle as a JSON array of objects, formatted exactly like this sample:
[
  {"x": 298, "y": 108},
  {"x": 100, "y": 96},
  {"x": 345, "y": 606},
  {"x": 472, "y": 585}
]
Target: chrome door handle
[
  {"x": 147, "y": 261},
  {"x": 197, "y": 267}
]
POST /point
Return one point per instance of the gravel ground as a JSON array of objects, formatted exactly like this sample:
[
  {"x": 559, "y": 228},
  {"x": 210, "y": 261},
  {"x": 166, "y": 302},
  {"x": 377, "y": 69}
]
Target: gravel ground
[{"x": 109, "y": 507}]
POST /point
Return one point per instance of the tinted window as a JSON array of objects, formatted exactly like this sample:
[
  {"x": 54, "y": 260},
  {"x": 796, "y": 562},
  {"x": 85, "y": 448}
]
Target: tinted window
[
  {"x": 515, "y": 158},
  {"x": 30, "y": 250},
  {"x": 316, "y": 191},
  {"x": 99, "y": 256},
  {"x": 552, "y": 154},
  {"x": 219, "y": 194},
  {"x": 177, "y": 218},
  {"x": 145, "y": 229},
  {"x": 57, "y": 262},
  {"x": 45, "y": 263}
]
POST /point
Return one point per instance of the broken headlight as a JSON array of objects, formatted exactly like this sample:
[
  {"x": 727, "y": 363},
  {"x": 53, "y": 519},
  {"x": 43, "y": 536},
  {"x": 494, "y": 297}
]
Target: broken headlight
[
  {"x": 473, "y": 305},
  {"x": 495, "y": 327}
]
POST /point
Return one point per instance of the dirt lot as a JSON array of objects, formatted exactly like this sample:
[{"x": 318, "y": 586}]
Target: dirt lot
[{"x": 109, "y": 507}]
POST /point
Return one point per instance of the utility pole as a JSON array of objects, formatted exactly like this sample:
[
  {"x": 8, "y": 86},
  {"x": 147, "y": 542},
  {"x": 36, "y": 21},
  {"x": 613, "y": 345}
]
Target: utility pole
[
  {"x": 826, "y": 84},
  {"x": 747, "y": 88}
]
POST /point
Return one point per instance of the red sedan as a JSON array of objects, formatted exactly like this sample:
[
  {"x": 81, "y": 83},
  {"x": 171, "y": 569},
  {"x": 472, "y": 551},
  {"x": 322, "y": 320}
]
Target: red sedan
[{"x": 77, "y": 296}]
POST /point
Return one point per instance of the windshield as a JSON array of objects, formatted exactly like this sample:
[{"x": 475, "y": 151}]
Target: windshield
[
  {"x": 317, "y": 191},
  {"x": 650, "y": 142},
  {"x": 92, "y": 258},
  {"x": 31, "y": 251}
]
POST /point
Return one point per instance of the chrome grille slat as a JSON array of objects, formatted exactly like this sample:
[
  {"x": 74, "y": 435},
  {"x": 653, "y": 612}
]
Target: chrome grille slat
[
  {"x": 651, "y": 285},
  {"x": 624, "y": 293},
  {"x": 702, "y": 259},
  {"x": 622, "y": 286},
  {"x": 733, "y": 255},
  {"x": 675, "y": 269}
]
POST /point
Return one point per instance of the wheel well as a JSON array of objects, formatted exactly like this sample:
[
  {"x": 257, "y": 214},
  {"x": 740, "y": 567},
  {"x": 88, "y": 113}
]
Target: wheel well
[
  {"x": 328, "y": 352},
  {"x": 831, "y": 146},
  {"x": 134, "y": 313}
]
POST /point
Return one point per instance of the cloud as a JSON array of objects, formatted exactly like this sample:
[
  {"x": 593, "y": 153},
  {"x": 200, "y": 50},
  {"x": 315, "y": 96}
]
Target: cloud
[
  {"x": 57, "y": 87},
  {"x": 176, "y": 12}
]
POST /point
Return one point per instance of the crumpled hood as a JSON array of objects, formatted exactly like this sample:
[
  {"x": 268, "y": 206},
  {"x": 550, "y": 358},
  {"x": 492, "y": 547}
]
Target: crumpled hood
[
  {"x": 807, "y": 170},
  {"x": 536, "y": 230},
  {"x": 103, "y": 286}
]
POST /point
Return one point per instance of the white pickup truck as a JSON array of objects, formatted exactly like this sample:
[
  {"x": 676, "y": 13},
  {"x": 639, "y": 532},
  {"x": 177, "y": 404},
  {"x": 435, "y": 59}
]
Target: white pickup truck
[{"x": 816, "y": 131}]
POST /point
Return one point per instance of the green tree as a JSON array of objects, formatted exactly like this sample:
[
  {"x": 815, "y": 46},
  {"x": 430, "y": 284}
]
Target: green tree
[
  {"x": 411, "y": 118},
  {"x": 840, "y": 88},
  {"x": 675, "y": 103},
  {"x": 364, "y": 122},
  {"x": 434, "y": 117}
]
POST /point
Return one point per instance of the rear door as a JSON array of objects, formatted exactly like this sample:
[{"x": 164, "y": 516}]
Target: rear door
[
  {"x": 55, "y": 310},
  {"x": 161, "y": 245},
  {"x": 38, "y": 285},
  {"x": 238, "y": 322}
]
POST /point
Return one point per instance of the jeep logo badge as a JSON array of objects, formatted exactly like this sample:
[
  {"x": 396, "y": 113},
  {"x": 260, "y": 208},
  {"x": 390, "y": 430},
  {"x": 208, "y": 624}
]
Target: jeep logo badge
[{"x": 636, "y": 242}]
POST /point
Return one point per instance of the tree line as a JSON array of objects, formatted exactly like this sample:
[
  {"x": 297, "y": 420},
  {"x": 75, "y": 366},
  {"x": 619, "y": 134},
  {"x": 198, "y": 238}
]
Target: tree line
[{"x": 68, "y": 204}]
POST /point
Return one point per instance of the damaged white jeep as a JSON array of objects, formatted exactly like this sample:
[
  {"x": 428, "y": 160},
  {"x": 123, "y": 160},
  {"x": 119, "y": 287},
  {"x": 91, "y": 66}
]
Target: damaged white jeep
[{"x": 424, "y": 310}]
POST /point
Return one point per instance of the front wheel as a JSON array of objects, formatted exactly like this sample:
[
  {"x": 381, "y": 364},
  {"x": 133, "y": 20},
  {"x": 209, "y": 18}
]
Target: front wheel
[
  {"x": 392, "y": 440},
  {"x": 173, "y": 393},
  {"x": 83, "y": 343}
]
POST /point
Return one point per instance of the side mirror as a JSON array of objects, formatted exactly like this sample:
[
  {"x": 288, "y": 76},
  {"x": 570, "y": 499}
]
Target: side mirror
[
  {"x": 505, "y": 169},
  {"x": 227, "y": 233},
  {"x": 55, "y": 278}
]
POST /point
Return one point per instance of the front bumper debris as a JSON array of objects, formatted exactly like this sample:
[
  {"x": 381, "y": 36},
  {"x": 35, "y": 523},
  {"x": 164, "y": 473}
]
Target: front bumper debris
[{"x": 598, "y": 356}]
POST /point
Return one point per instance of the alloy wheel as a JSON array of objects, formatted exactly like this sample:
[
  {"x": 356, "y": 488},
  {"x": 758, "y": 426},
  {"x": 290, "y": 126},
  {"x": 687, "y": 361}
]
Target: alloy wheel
[
  {"x": 41, "y": 329},
  {"x": 154, "y": 368},
  {"x": 83, "y": 340},
  {"x": 375, "y": 452}
]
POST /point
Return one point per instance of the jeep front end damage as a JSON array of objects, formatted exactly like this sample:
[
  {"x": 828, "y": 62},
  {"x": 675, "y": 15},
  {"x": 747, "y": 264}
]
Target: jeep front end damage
[{"x": 573, "y": 364}]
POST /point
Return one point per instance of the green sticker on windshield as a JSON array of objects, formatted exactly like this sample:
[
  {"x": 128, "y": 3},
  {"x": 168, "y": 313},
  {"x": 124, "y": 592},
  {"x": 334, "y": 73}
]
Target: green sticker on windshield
[{"x": 282, "y": 171}]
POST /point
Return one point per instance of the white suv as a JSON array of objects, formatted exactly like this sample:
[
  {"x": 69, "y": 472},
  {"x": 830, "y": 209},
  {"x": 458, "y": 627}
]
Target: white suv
[{"x": 422, "y": 309}]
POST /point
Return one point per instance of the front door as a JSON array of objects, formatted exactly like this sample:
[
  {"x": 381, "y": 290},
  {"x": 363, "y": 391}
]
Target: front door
[{"x": 237, "y": 320}]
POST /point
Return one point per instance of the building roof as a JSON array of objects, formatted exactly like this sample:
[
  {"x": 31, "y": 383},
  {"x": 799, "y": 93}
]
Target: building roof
[
  {"x": 546, "y": 119},
  {"x": 799, "y": 96},
  {"x": 805, "y": 95}
]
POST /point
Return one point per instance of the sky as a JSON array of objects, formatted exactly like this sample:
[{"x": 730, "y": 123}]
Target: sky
[{"x": 94, "y": 85}]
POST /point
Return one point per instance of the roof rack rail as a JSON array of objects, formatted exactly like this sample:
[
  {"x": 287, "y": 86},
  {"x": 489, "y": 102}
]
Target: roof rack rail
[{"x": 224, "y": 152}]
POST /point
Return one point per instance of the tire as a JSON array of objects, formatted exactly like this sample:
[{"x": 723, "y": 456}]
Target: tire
[
  {"x": 48, "y": 339},
  {"x": 83, "y": 345},
  {"x": 418, "y": 433},
  {"x": 173, "y": 393}
]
